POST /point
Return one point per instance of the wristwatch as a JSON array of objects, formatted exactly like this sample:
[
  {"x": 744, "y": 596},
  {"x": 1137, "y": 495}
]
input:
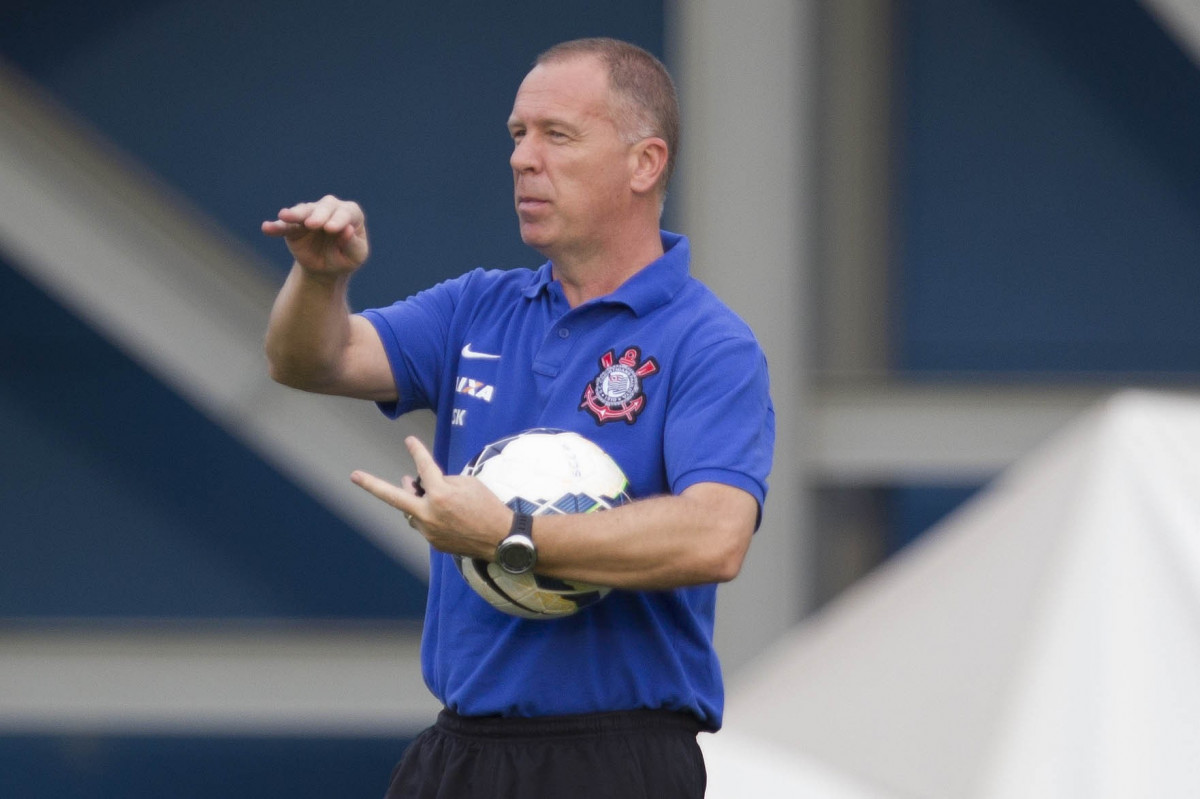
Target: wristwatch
[{"x": 517, "y": 554}]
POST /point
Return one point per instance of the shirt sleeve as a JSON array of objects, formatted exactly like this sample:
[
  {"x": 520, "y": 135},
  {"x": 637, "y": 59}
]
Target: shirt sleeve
[
  {"x": 415, "y": 332},
  {"x": 721, "y": 424}
]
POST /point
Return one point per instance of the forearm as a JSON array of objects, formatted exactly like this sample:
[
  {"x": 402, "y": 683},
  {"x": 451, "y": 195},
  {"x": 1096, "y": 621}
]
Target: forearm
[
  {"x": 309, "y": 330},
  {"x": 699, "y": 536},
  {"x": 664, "y": 542}
]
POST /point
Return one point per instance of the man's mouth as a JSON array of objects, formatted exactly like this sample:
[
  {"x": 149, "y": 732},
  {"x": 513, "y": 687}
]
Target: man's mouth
[{"x": 527, "y": 203}]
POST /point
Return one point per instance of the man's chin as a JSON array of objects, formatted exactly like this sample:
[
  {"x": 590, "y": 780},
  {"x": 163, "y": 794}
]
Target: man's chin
[{"x": 535, "y": 238}]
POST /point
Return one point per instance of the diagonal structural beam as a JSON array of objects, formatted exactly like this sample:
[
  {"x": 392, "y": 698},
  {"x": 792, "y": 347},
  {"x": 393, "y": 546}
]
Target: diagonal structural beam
[
  {"x": 151, "y": 275},
  {"x": 1181, "y": 19}
]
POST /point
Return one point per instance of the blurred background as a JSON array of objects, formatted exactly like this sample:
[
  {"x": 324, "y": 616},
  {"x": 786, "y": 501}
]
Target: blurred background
[{"x": 954, "y": 224}]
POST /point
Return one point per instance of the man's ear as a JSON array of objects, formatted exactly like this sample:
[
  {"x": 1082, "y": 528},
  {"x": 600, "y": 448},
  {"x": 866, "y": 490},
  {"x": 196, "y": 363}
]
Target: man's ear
[{"x": 649, "y": 161}]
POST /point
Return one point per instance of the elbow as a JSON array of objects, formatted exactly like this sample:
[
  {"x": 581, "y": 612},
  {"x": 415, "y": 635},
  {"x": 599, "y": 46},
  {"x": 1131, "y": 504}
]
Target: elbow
[
  {"x": 276, "y": 363},
  {"x": 287, "y": 372},
  {"x": 283, "y": 377},
  {"x": 729, "y": 555},
  {"x": 278, "y": 370},
  {"x": 726, "y": 569},
  {"x": 274, "y": 369},
  {"x": 301, "y": 380},
  {"x": 725, "y": 519}
]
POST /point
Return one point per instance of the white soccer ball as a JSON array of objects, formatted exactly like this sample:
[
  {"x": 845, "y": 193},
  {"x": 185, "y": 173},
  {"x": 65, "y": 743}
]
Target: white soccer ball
[{"x": 541, "y": 472}]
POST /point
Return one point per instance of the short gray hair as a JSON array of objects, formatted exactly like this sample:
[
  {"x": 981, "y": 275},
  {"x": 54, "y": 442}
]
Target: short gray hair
[{"x": 649, "y": 105}]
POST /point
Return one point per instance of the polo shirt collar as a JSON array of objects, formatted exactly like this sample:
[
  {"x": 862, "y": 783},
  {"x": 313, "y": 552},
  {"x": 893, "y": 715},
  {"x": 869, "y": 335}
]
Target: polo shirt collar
[{"x": 648, "y": 289}]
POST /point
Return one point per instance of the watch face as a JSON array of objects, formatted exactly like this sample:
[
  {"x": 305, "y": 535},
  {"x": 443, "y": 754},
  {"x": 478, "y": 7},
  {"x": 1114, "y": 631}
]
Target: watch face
[{"x": 516, "y": 554}]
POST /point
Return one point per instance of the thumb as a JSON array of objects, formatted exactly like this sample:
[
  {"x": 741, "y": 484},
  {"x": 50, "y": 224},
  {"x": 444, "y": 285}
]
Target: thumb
[{"x": 428, "y": 471}]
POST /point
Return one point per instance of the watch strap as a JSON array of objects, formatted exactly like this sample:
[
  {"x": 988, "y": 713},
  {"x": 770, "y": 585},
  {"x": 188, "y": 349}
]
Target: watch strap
[{"x": 522, "y": 524}]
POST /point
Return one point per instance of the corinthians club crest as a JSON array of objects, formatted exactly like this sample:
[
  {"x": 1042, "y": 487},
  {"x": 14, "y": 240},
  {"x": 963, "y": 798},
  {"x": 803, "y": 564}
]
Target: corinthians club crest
[{"x": 616, "y": 393}]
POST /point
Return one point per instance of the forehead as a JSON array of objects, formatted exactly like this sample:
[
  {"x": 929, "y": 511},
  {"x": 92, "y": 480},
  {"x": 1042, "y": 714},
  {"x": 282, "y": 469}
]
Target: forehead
[{"x": 563, "y": 89}]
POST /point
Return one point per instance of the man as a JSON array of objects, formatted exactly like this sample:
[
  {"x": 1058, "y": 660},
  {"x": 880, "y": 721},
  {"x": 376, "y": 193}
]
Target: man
[{"x": 611, "y": 338}]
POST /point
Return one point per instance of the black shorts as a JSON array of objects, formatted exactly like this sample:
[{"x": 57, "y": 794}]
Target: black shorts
[{"x": 641, "y": 754}]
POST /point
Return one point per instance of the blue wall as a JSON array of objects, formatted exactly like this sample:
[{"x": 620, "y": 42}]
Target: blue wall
[
  {"x": 1049, "y": 190},
  {"x": 117, "y": 767}
]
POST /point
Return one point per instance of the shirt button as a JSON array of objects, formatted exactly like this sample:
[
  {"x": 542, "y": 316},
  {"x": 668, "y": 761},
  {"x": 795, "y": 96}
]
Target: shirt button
[{"x": 563, "y": 332}]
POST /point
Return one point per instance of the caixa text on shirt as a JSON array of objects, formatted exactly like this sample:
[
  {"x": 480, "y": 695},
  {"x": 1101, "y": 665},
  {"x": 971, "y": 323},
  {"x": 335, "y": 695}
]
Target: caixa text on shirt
[{"x": 475, "y": 388}]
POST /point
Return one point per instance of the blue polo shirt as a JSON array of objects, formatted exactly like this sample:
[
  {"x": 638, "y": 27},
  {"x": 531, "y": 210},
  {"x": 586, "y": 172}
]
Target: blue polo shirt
[{"x": 663, "y": 376}]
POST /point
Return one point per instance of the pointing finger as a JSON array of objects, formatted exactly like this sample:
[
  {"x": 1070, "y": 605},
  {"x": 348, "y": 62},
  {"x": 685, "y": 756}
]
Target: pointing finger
[
  {"x": 274, "y": 227},
  {"x": 279, "y": 228},
  {"x": 395, "y": 496}
]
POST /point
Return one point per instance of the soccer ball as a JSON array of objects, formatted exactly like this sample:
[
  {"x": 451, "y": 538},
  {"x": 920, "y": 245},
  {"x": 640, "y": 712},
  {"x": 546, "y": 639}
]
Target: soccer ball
[{"x": 542, "y": 472}]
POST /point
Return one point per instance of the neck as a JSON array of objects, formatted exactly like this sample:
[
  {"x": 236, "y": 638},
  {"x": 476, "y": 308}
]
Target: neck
[{"x": 587, "y": 275}]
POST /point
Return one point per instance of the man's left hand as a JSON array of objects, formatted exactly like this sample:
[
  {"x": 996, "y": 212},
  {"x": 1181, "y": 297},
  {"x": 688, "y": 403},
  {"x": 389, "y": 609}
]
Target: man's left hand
[{"x": 456, "y": 514}]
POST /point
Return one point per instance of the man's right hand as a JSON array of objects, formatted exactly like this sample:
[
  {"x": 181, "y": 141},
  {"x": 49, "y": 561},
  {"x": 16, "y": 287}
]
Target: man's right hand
[
  {"x": 327, "y": 238},
  {"x": 313, "y": 342}
]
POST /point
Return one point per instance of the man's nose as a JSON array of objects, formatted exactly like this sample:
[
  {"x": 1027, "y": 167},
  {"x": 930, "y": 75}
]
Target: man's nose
[{"x": 524, "y": 155}]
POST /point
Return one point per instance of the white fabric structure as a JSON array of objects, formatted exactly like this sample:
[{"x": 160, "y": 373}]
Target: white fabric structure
[
  {"x": 746, "y": 767},
  {"x": 1042, "y": 642}
]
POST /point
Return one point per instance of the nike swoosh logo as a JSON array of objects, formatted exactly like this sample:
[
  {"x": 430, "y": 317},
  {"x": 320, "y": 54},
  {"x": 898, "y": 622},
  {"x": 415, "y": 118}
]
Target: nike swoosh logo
[{"x": 467, "y": 352}]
